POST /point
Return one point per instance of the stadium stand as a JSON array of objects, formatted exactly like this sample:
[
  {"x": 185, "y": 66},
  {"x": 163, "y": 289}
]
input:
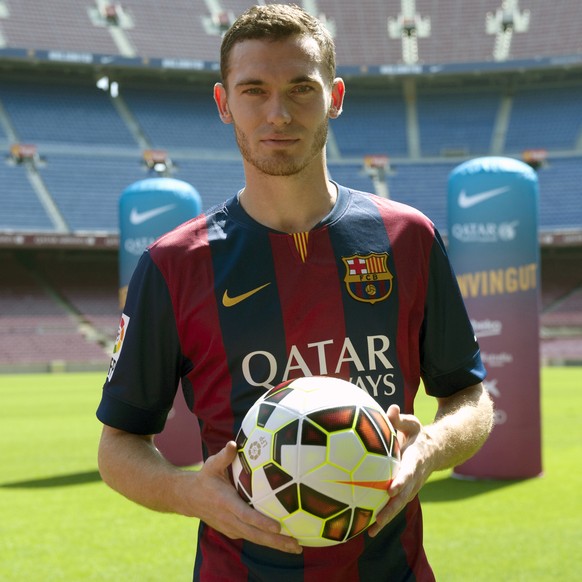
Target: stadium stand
[
  {"x": 373, "y": 122},
  {"x": 86, "y": 188},
  {"x": 63, "y": 114},
  {"x": 89, "y": 145},
  {"x": 21, "y": 208},
  {"x": 457, "y": 122},
  {"x": 85, "y": 287},
  {"x": 450, "y": 24},
  {"x": 36, "y": 329},
  {"x": 176, "y": 27},
  {"x": 552, "y": 30},
  {"x": 352, "y": 175},
  {"x": 85, "y": 162},
  {"x": 191, "y": 30},
  {"x": 178, "y": 118},
  {"x": 566, "y": 313},
  {"x": 59, "y": 26},
  {"x": 561, "y": 309},
  {"x": 545, "y": 117},
  {"x": 202, "y": 174},
  {"x": 562, "y": 284},
  {"x": 560, "y": 194},
  {"x": 423, "y": 186}
]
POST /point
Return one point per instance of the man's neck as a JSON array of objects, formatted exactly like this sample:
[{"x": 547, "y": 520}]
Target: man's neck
[{"x": 288, "y": 203}]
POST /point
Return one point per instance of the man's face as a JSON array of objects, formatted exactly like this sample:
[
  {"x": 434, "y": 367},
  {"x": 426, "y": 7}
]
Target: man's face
[{"x": 279, "y": 102}]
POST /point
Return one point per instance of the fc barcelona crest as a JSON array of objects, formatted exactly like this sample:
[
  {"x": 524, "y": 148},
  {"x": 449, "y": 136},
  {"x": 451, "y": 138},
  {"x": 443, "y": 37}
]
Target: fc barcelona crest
[{"x": 367, "y": 277}]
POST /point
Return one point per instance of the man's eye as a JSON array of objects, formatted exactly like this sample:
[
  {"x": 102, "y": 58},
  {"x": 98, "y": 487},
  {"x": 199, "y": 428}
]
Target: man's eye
[{"x": 303, "y": 89}]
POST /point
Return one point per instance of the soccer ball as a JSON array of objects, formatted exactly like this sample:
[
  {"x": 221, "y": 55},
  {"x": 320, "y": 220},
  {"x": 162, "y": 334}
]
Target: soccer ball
[{"x": 317, "y": 454}]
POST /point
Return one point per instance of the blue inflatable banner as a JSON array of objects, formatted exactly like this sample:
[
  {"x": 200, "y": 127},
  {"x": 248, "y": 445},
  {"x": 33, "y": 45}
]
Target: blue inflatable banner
[
  {"x": 147, "y": 209},
  {"x": 493, "y": 246}
]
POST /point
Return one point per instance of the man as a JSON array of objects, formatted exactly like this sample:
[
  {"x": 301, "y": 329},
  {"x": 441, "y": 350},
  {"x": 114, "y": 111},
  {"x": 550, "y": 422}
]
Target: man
[{"x": 294, "y": 276}]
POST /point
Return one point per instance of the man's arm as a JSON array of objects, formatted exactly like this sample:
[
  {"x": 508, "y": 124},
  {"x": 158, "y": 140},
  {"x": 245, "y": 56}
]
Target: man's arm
[
  {"x": 462, "y": 424},
  {"x": 133, "y": 466}
]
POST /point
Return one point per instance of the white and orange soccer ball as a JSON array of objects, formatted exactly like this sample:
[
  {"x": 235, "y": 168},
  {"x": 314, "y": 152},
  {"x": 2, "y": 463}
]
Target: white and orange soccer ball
[{"x": 318, "y": 455}]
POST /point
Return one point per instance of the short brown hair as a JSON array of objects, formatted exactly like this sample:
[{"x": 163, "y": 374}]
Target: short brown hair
[{"x": 276, "y": 22}]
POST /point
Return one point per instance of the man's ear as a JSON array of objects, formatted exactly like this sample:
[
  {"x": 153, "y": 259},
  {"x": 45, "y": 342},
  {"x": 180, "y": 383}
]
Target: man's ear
[
  {"x": 221, "y": 103},
  {"x": 338, "y": 91}
]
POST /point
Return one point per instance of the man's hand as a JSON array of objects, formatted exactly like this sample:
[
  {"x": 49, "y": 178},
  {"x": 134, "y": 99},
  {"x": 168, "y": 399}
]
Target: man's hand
[
  {"x": 132, "y": 465},
  {"x": 224, "y": 510},
  {"x": 413, "y": 471},
  {"x": 462, "y": 423}
]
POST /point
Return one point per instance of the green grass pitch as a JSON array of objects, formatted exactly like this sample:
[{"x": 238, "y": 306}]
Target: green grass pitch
[{"x": 58, "y": 521}]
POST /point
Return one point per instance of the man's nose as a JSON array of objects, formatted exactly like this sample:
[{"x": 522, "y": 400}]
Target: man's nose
[{"x": 278, "y": 113}]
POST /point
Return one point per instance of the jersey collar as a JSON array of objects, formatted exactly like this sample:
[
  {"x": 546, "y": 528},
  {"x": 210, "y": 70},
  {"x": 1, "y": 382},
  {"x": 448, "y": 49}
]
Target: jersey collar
[{"x": 236, "y": 212}]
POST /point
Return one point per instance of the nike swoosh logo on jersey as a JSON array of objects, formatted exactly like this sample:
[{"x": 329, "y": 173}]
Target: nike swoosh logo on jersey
[
  {"x": 469, "y": 201},
  {"x": 230, "y": 301},
  {"x": 136, "y": 217}
]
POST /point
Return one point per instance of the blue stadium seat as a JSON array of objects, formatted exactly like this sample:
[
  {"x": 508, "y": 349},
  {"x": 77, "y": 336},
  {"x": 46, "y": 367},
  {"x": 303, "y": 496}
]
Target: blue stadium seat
[
  {"x": 91, "y": 155},
  {"x": 172, "y": 118},
  {"x": 460, "y": 121},
  {"x": 423, "y": 186},
  {"x": 21, "y": 208},
  {"x": 545, "y": 117},
  {"x": 87, "y": 188},
  {"x": 215, "y": 180},
  {"x": 177, "y": 30},
  {"x": 351, "y": 175},
  {"x": 372, "y": 123},
  {"x": 63, "y": 114},
  {"x": 561, "y": 194}
]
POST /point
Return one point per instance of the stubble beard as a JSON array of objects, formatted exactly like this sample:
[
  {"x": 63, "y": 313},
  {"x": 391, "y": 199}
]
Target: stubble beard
[{"x": 281, "y": 163}]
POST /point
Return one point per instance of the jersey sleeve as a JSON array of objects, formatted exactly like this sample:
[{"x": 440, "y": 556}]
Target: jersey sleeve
[
  {"x": 449, "y": 352},
  {"x": 147, "y": 364}
]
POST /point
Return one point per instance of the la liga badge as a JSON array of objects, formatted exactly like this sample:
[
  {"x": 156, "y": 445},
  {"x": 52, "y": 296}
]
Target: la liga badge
[
  {"x": 123, "y": 325},
  {"x": 367, "y": 277}
]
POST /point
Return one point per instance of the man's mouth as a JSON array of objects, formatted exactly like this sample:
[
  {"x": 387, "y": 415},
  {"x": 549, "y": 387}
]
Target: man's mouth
[{"x": 279, "y": 140}]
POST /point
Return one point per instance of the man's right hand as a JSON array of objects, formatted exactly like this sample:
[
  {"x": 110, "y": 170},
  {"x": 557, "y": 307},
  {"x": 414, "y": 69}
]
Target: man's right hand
[
  {"x": 218, "y": 505},
  {"x": 131, "y": 464}
]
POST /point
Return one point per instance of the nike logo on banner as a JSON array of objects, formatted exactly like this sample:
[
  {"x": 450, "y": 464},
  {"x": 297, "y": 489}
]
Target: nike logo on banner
[
  {"x": 468, "y": 201},
  {"x": 230, "y": 301},
  {"x": 136, "y": 217}
]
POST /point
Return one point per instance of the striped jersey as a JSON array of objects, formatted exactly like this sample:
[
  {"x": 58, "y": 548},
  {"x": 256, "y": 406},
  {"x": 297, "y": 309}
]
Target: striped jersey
[{"x": 231, "y": 308}]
